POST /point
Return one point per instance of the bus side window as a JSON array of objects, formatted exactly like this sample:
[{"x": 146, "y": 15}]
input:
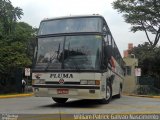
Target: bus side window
[{"x": 107, "y": 48}]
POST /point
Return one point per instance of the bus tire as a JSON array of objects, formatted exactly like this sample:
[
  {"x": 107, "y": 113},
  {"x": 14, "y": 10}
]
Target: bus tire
[
  {"x": 108, "y": 94},
  {"x": 60, "y": 100}
]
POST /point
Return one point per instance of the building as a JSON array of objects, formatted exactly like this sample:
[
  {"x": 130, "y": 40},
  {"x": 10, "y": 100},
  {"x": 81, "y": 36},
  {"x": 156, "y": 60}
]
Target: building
[{"x": 130, "y": 79}]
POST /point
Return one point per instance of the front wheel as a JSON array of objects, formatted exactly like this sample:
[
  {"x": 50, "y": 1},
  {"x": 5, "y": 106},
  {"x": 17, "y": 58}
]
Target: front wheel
[
  {"x": 60, "y": 100},
  {"x": 108, "y": 94}
]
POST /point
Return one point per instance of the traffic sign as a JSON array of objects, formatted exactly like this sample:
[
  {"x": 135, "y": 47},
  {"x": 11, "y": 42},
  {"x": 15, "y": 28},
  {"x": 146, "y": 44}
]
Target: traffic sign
[
  {"x": 27, "y": 71},
  {"x": 138, "y": 71}
]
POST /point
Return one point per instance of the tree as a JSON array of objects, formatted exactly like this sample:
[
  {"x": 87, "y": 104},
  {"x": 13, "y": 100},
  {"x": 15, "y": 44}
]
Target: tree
[
  {"x": 8, "y": 16},
  {"x": 26, "y": 34},
  {"x": 16, "y": 44},
  {"x": 149, "y": 60},
  {"x": 143, "y": 15},
  {"x": 15, "y": 54},
  {"x": 15, "y": 50},
  {"x": 144, "y": 55}
]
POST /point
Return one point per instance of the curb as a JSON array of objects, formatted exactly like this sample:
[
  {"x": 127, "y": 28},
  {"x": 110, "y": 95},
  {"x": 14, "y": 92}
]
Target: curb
[
  {"x": 16, "y": 95},
  {"x": 147, "y": 96}
]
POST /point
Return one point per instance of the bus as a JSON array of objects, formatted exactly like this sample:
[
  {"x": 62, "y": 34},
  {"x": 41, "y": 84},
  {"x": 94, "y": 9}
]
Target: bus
[{"x": 77, "y": 57}]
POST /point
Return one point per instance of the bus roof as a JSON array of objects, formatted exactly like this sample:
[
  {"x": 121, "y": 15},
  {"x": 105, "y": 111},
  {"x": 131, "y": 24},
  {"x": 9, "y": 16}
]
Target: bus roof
[{"x": 74, "y": 16}]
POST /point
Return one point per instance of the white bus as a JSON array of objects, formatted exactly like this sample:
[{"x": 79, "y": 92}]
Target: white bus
[{"x": 76, "y": 57}]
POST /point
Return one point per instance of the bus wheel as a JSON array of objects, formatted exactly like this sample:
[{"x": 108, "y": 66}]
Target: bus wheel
[
  {"x": 60, "y": 100},
  {"x": 108, "y": 94}
]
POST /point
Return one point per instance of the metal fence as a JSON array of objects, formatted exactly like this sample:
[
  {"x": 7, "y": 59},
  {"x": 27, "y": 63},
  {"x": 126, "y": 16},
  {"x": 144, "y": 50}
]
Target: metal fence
[
  {"x": 12, "y": 83},
  {"x": 148, "y": 85}
]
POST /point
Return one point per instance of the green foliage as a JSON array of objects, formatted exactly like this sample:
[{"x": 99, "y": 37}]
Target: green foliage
[
  {"x": 14, "y": 48},
  {"x": 16, "y": 40},
  {"x": 143, "y": 15},
  {"x": 13, "y": 56},
  {"x": 8, "y": 16},
  {"x": 149, "y": 59}
]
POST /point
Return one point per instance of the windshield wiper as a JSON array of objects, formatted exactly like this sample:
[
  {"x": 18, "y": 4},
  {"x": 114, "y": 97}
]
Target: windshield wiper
[
  {"x": 57, "y": 65},
  {"x": 48, "y": 64}
]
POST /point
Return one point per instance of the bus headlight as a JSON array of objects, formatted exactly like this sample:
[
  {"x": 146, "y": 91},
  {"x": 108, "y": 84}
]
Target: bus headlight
[
  {"x": 90, "y": 82},
  {"x": 38, "y": 81},
  {"x": 83, "y": 82}
]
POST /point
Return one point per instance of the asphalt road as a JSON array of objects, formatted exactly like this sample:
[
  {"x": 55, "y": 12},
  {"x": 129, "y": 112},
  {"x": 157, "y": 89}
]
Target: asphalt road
[{"x": 36, "y": 105}]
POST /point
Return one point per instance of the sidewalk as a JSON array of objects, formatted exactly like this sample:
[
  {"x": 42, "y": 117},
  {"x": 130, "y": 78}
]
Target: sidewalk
[
  {"x": 16, "y": 95},
  {"x": 148, "y": 96}
]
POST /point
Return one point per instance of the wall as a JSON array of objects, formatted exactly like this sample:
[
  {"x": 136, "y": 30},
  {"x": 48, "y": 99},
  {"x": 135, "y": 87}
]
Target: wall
[{"x": 130, "y": 81}]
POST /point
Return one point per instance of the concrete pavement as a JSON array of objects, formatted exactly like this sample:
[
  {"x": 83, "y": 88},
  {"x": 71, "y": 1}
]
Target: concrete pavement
[
  {"x": 31, "y": 94},
  {"x": 44, "y": 105}
]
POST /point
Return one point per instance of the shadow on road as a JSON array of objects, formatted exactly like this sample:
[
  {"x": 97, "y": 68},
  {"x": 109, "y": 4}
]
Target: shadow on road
[{"x": 78, "y": 104}]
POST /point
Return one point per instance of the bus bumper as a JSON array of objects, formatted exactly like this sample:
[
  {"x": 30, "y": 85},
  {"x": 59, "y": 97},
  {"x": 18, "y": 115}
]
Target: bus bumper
[{"x": 68, "y": 91}]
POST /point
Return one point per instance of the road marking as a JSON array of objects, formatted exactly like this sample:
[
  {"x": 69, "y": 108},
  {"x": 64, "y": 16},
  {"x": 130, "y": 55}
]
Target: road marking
[
  {"x": 17, "y": 95},
  {"x": 145, "y": 96}
]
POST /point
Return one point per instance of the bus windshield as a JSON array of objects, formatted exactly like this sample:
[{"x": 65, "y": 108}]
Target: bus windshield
[
  {"x": 70, "y": 25},
  {"x": 69, "y": 52}
]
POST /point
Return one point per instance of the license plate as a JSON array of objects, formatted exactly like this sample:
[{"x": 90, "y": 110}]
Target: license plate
[{"x": 62, "y": 91}]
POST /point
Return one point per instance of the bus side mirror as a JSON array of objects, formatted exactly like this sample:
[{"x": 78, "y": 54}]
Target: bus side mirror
[
  {"x": 108, "y": 51},
  {"x": 104, "y": 33},
  {"x": 107, "y": 56},
  {"x": 34, "y": 52}
]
